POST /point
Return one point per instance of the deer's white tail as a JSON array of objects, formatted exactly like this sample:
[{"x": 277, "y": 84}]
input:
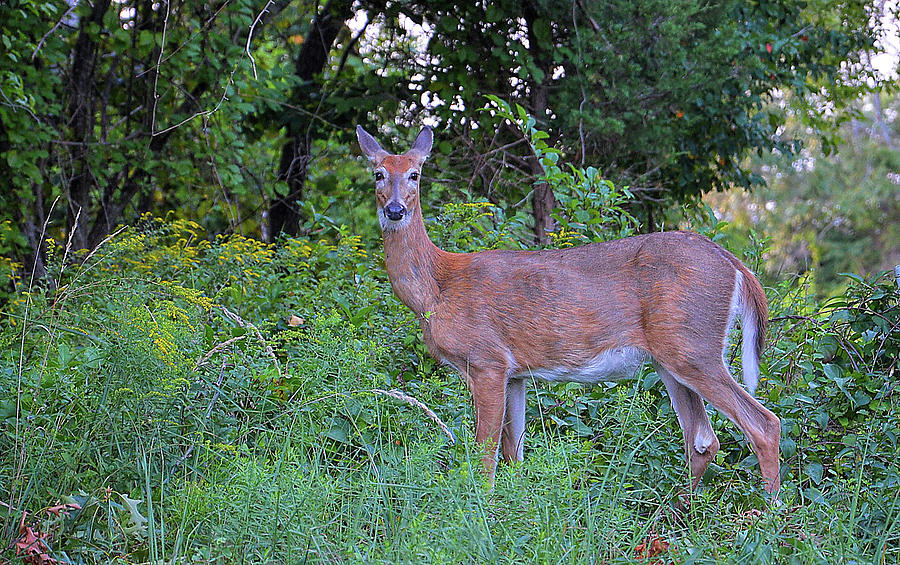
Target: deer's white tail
[{"x": 749, "y": 303}]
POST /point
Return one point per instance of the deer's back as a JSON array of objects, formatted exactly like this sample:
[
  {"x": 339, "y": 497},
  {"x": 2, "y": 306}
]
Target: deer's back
[{"x": 559, "y": 309}]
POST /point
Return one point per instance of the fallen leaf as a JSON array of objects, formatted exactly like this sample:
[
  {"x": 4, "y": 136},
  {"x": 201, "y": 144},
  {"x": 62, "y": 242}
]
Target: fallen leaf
[
  {"x": 657, "y": 546},
  {"x": 652, "y": 547},
  {"x": 64, "y": 508},
  {"x": 32, "y": 547}
]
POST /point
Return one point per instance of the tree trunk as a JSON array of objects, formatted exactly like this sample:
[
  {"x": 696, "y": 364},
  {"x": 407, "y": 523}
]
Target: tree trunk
[
  {"x": 81, "y": 117},
  {"x": 32, "y": 222},
  {"x": 284, "y": 212},
  {"x": 542, "y": 204},
  {"x": 543, "y": 201},
  {"x": 101, "y": 212}
]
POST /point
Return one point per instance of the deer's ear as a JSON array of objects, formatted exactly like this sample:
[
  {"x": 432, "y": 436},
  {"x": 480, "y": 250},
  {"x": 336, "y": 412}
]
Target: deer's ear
[
  {"x": 369, "y": 146},
  {"x": 421, "y": 147}
]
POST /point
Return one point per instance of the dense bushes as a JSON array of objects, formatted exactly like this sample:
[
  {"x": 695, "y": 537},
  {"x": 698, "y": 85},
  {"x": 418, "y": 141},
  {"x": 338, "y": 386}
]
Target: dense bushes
[{"x": 222, "y": 400}]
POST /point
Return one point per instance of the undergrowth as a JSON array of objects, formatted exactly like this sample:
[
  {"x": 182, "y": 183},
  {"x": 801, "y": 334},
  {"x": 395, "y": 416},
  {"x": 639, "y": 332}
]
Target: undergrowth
[{"x": 172, "y": 397}]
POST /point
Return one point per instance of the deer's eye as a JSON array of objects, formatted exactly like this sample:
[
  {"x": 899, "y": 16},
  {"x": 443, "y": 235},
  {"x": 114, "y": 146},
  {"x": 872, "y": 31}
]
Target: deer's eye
[
  {"x": 414, "y": 176},
  {"x": 379, "y": 176}
]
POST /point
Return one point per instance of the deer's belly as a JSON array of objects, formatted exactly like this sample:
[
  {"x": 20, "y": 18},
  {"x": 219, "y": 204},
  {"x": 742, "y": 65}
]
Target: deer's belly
[{"x": 610, "y": 365}]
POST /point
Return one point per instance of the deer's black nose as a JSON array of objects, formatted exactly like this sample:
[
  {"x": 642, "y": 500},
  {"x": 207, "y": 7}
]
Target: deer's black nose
[{"x": 394, "y": 211}]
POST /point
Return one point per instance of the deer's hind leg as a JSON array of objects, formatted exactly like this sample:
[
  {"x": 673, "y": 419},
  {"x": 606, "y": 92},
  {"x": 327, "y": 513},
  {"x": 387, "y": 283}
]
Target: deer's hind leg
[
  {"x": 513, "y": 437},
  {"x": 760, "y": 425},
  {"x": 700, "y": 442}
]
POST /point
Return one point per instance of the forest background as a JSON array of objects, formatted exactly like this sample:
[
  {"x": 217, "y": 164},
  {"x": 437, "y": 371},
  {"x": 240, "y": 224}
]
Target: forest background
[{"x": 190, "y": 272}]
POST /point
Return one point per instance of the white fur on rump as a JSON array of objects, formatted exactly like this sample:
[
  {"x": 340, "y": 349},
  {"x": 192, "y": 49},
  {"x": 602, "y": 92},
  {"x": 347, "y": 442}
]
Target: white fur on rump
[{"x": 744, "y": 310}]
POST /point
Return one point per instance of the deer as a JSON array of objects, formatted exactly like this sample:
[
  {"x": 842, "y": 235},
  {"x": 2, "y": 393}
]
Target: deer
[{"x": 587, "y": 314}]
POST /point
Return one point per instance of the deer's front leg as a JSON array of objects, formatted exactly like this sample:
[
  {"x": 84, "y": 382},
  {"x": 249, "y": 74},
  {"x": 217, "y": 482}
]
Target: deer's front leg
[{"x": 489, "y": 396}]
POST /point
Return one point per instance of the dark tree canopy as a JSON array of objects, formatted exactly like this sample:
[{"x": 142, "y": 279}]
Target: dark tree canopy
[
  {"x": 664, "y": 96},
  {"x": 239, "y": 114}
]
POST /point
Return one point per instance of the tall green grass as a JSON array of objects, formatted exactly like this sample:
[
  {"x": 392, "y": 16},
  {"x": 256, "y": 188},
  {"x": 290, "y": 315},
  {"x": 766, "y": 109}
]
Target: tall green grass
[{"x": 223, "y": 402}]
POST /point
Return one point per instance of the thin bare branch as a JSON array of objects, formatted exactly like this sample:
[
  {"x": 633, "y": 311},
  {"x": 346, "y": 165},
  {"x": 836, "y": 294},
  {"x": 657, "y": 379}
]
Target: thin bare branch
[
  {"x": 400, "y": 395},
  {"x": 162, "y": 48},
  {"x": 52, "y": 29},
  {"x": 245, "y": 324},
  {"x": 250, "y": 37},
  {"x": 203, "y": 360}
]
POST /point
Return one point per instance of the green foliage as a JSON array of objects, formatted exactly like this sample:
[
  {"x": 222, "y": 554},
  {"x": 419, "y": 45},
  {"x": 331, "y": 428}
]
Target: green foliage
[
  {"x": 590, "y": 207},
  {"x": 475, "y": 226},
  {"x": 664, "y": 97},
  {"x": 225, "y": 400},
  {"x": 122, "y": 109},
  {"x": 828, "y": 213},
  {"x": 147, "y": 368},
  {"x": 831, "y": 367},
  {"x": 125, "y": 108}
]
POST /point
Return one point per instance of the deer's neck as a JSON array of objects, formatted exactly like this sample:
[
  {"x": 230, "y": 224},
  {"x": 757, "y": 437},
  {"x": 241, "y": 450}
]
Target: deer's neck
[{"x": 412, "y": 259}]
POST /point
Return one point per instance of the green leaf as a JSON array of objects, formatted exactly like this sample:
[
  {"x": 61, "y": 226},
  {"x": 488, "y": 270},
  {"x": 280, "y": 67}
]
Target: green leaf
[
  {"x": 14, "y": 159},
  {"x": 338, "y": 434},
  {"x": 814, "y": 471}
]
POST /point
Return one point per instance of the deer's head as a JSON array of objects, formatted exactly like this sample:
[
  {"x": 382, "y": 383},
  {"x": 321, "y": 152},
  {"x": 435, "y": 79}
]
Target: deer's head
[{"x": 396, "y": 177}]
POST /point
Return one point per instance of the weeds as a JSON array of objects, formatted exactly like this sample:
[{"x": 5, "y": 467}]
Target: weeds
[{"x": 173, "y": 398}]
